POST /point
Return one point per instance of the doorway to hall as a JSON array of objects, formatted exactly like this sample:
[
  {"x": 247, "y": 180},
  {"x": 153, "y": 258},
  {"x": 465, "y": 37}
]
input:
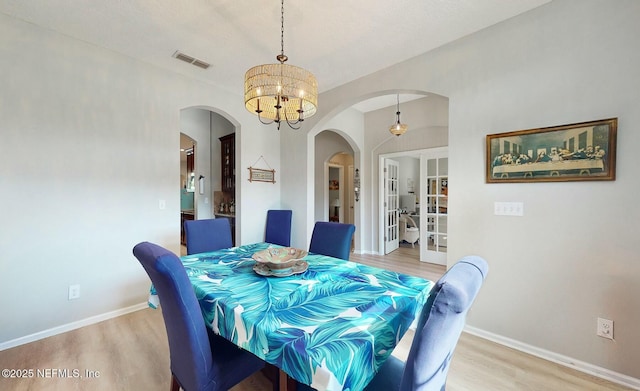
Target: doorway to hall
[
  {"x": 413, "y": 211},
  {"x": 333, "y": 150},
  {"x": 339, "y": 194},
  {"x": 202, "y": 127},
  {"x": 187, "y": 182}
]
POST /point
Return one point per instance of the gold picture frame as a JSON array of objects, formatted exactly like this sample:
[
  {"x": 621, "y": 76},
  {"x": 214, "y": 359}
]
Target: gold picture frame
[{"x": 583, "y": 151}]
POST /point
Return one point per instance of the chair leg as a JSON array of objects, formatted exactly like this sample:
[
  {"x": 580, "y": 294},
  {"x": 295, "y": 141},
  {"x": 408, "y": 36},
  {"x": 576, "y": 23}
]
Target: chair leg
[{"x": 175, "y": 386}]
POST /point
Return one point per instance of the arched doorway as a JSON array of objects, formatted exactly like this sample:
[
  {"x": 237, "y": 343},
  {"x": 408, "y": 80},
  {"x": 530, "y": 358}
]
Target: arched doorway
[
  {"x": 339, "y": 195},
  {"x": 334, "y": 158},
  {"x": 203, "y": 127},
  {"x": 363, "y": 121}
]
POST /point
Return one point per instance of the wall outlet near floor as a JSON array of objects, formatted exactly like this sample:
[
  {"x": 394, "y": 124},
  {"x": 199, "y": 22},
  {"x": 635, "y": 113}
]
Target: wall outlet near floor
[
  {"x": 74, "y": 292},
  {"x": 605, "y": 328}
]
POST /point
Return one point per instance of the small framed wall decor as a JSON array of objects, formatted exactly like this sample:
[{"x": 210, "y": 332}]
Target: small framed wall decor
[
  {"x": 260, "y": 175},
  {"x": 583, "y": 151}
]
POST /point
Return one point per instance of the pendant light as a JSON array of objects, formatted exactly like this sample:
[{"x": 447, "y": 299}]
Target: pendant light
[
  {"x": 281, "y": 92},
  {"x": 398, "y": 128}
]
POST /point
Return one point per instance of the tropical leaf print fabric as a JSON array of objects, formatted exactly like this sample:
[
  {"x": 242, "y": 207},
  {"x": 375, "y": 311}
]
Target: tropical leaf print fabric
[{"x": 331, "y": 326}]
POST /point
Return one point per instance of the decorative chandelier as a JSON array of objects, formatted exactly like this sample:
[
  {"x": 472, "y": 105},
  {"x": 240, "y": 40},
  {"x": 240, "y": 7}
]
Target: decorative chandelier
[
  {"x": 398, "y": 128},
  {"x": 281, "y": 92}
]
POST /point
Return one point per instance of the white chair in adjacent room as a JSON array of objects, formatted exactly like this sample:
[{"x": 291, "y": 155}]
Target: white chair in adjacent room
[{"x": 409, "y": 231}]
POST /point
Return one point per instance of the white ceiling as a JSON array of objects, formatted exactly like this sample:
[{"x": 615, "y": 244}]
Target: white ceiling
[{"x": 337, "y": 40}]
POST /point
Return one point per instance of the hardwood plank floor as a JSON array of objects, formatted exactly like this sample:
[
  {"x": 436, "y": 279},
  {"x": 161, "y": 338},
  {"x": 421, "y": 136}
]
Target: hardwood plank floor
[{"x": 131, "y": 353}]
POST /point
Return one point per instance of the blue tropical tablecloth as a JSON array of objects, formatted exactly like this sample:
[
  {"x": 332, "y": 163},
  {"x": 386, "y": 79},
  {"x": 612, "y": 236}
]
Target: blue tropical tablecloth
[{"x": 331, "y": 327}]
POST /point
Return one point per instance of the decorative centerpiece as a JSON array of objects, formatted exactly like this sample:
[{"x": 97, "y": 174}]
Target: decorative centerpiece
[{"x": 280, "y": 261}]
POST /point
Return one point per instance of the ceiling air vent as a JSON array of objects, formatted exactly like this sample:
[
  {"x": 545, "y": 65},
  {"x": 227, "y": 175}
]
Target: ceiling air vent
[{"x": 191, "y": 60}]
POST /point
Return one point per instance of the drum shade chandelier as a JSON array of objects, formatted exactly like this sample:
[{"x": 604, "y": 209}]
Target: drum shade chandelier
[
  {"x": 281, "y": 92},
  {"x": 398, "y": 129}
]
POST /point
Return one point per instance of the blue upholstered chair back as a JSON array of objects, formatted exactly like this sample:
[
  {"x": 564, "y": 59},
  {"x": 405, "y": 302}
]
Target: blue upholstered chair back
[
  {"x": 278, "y": 228},
  {"x": 441, "y": 324},
  {"x": 189, "y": 348},
  {"x": 332, "y": 239},
  {"x": 439, "y": 327},
  {"x": 200, "y": 360},
  {"x": 207, "y": 235}
]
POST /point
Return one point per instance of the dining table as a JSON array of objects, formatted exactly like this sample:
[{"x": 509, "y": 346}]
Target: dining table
[{"x": 330, "y": 325}]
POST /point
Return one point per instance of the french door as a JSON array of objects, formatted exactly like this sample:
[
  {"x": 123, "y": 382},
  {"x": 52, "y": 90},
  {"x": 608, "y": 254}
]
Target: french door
[
  {"x": 434, "y": 208},
  {"x": 391, "y": 204}
]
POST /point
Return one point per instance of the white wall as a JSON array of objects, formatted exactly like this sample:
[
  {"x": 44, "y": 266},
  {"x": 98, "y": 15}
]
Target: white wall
[
  {"x": 409, "y": 169},
  {"x": 89, "y": 145},
  {"x": 573, "y": 256}
]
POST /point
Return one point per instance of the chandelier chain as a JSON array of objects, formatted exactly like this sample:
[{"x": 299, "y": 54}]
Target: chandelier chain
[{"x": 282, "y": 28}]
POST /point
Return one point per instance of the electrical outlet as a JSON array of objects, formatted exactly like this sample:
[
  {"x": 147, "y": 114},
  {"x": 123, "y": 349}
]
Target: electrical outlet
[
  {"x": 74, "y": 292},
  {"x": 605, "y": 328}
]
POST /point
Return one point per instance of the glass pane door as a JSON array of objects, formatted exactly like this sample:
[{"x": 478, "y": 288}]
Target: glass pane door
[
  {"x": 391, "y": 205},
  {"x": 434, "y": 207}
]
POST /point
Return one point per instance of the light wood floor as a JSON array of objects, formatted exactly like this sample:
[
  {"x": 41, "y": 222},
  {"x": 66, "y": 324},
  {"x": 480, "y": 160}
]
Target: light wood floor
[{"x": 131, "y": 353}]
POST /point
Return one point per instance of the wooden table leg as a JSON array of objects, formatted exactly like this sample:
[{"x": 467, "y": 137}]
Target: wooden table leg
[
  {"x": 279, "y": 378},
  {"x": 283, "y": 381}
]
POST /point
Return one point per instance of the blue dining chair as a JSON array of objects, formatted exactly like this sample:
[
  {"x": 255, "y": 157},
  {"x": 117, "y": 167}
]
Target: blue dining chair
[
  {"x": 278, "y": 228},
  {"x": 437, "y": 334},
  {"x": 332, "y": 239},
  {"x": 200, "y": 360},
  {"x": 207, "y": 235}
]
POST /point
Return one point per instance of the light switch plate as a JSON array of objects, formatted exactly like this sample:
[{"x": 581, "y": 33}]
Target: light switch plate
[{"x": 508, "y": 208}]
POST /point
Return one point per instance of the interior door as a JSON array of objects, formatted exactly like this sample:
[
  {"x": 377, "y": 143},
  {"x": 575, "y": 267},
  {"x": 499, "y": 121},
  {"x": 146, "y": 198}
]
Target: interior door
[
  {"x": 391, "y": 204},
  {"x": 434, "y": 207}
]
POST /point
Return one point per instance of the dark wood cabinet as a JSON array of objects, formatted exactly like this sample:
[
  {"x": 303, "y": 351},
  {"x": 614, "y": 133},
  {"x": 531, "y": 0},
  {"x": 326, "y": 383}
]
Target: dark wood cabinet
[
  {"x": 228, "y": 155},
  {"x": 191, "y": 160}
]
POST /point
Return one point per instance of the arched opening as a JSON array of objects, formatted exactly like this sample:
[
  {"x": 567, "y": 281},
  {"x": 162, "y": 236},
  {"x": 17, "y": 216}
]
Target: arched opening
[
  {"x": 212, "y": 196},
  {"x": 369, "y": 117},
  {"x": 334, "y": 199}
]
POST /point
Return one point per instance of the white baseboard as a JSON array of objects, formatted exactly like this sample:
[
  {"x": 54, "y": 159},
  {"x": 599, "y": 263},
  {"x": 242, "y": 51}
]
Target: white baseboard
[
  {"x": 581, "y": 366},
  {"x": 367, "y": 252},
  {"x": 70, "y": 326}
]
